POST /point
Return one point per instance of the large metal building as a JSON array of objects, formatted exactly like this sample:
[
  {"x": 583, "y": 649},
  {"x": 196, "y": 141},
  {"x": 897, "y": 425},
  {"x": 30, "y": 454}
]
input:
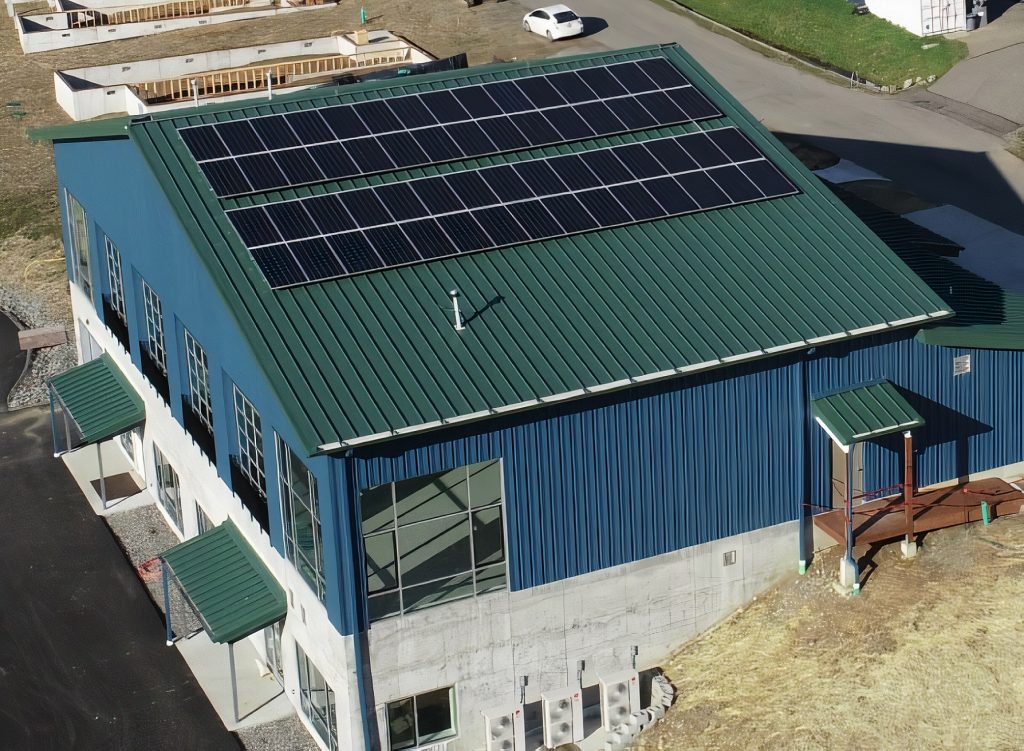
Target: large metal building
[{"x": 453, "y": 505}]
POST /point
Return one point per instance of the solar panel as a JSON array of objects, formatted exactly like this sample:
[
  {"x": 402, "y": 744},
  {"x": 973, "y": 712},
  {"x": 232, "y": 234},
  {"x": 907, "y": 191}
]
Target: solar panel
[
  {"x": 331, "y": 143},
  {"x": 329, "y": 236}
]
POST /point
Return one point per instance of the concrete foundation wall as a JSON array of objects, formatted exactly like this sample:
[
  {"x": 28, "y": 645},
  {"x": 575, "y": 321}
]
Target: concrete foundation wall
[{"x": 483, "y": 645}]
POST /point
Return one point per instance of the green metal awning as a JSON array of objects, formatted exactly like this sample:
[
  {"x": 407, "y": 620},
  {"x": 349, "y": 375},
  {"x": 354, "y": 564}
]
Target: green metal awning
[
  {"x": 233, "y": 592},
  {"x": 863, "y": 412},
  {"x": 99, "y": 399}
]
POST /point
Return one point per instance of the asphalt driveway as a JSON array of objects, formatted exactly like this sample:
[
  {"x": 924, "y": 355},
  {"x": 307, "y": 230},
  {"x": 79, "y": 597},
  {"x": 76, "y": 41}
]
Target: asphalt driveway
[{"x": 82, "y": 658}]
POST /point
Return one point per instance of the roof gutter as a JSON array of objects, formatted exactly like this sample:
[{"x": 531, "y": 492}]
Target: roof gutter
[{"x": 624, "y": 383}]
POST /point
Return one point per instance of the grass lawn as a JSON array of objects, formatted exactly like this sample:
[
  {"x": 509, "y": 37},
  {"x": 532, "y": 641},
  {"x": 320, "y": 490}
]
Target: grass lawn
[{"x": 828, "y": 31}]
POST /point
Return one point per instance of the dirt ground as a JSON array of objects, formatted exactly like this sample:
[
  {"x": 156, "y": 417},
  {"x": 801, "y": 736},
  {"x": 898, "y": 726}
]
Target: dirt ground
[
  {"x": 929, "y": 656},
  {"x": 30, "y": 250}
]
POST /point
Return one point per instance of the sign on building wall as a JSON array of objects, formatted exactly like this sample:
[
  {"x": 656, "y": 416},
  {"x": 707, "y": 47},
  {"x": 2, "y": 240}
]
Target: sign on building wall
[{"x": 961, "y": 365}]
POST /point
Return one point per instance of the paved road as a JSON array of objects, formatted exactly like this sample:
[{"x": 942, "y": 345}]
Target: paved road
[
  {"x": 82, "y": 658},
  {"x": 12, "y": 360},
  {"x": 937, "y": 157}
]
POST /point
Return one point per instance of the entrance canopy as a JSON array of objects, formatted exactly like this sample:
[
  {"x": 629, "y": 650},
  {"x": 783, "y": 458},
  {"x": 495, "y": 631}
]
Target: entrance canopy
[
  {"x": 863, "y": 412},
  {"x": 98, "y": 400},
  {"x": 222, "y": 577}
]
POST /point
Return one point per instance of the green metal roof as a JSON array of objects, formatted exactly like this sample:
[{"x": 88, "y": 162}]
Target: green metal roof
[
  {"x": 111, "y": 127},
  {"x": 99, "y": 399},
  {"x": 370, "y": 357},
  {"x": 864, "y": 412},
  {"x": 227, "y": 583},
  {"x": 987, "y": 315}
]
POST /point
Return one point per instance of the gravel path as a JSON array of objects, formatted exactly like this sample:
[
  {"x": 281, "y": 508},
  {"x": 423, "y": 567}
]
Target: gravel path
[{"x": 31, "y": 313}]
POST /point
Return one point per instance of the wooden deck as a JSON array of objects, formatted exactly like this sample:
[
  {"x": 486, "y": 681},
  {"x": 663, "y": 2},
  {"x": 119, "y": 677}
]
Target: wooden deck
[{"x": 886, "y": 519}]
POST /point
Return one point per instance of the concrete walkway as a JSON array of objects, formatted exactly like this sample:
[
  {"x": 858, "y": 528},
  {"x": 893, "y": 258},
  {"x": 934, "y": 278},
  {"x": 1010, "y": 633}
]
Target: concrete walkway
[
  {"x": 992, "y": 78},
  {"x": 82, "y": 658}
]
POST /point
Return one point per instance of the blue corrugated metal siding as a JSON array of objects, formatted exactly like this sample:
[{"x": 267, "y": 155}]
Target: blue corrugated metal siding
[
  {"x": 605, "y": 482},
  {"x": 973, "y": 422}
]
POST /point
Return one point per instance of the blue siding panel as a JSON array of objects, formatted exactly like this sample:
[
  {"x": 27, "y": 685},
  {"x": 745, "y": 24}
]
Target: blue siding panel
[{"x": 613, "y": 480}]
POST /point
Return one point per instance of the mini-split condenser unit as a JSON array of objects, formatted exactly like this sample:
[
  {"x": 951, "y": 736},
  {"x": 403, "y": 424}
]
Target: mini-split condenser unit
[
  {"x": 563, "y": 716},
  {"x": 620, "y": 697},
  {"x": 505, "y": 730}
]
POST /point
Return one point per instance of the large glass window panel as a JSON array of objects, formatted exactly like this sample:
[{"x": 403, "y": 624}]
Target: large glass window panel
[
  {"x": 381, "y": 563},
  {"x": 488, "y": 537},
  {"x": 434, "y": 593},
  {"x": 434, "y": 549},
  {"x": 448, "y": 541},
  {"x": 168, "y": 489},
  {"x": 377, "y": 506},
  {"x": 485, "y": 483},
  {"x": 431, "y": 496}
]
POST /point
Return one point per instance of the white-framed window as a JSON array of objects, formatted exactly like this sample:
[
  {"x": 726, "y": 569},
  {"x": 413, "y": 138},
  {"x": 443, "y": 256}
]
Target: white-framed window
[
  {"x": 250, "y": 442},
  {"x": 203, "y": 523},
  {"x": 422, "y": 719},
  {"x": 317, "y": 700},
  {"x": 116, "y": 280},
  {"x": 303, "y": 540},
  {"x": 198, "y": 381},
  {"x": 167, "y": 486},
  {"x": 154, "y": 327},
  {"x": 78, "y": 232},
  {"x": 434, "y": 538}
]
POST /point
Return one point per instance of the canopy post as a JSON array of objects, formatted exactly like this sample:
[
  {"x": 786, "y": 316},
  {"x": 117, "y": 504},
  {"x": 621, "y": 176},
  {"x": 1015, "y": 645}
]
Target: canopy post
[
  {"x": 167, "y": 601},
  {"x": 53, "y": 423},
  {"x": 234, "y": 682},
  {"x": 103, "y": 480},
  {"x": 849, "y": 577},
  {"x": 909, "y": 545}
]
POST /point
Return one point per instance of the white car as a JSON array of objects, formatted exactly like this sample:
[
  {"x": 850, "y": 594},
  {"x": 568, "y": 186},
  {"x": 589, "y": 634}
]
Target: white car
[{"x": 554, "y": 22}]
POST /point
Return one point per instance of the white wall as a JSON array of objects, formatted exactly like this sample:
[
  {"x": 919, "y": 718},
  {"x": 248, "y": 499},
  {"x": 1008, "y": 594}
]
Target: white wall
[
  {"x": 306, "y": 621},
  {"x": 905, "y": 13}
]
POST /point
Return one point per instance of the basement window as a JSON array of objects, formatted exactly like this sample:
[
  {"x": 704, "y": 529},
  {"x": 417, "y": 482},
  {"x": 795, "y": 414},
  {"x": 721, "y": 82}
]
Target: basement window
[{"x": 422, "y": 719}]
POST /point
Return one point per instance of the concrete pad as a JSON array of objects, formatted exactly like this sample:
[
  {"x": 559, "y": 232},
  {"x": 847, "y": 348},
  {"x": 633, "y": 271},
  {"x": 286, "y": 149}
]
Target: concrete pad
[
  {"x": 260, "y": 697},
  {"x": 846, "y": 171},
  {"x": 990, "y": 251},
  {"x": 83, "y": 465}
]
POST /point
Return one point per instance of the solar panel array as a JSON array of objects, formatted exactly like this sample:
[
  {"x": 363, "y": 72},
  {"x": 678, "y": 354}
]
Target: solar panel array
[
  {"x": 354, "y": 231},
  {"x": 382, "y": 135}
]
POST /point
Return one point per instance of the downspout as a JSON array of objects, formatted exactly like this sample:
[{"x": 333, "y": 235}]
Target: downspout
[
  {"x": 351, "y": 604},
  {"x": 804, "y": 500}
]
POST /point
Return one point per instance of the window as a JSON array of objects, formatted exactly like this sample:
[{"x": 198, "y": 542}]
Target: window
[
  {"x": 435, "y": 538},
  {"x": 422, "y": 719},
  {"x": 198, "y": 381},
  {"x": 302, "y": 537},
  {"x": 203, "y": 523},
  {"x": 116, "y": 280},
  {"x": 250, "y": 442},
  {"x": 78, "y": 232},
  {"x": 168, "y": 489},
  {"x": 154, "y": 328},
  {"x": 317, "y": 700}
]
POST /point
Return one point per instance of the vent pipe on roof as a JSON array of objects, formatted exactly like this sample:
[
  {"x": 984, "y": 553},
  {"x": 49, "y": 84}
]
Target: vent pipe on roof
[
  {"x": 459, "y": 325},
  {"x": 195, "y": 91},
  {"x": 270, "y": 87}
]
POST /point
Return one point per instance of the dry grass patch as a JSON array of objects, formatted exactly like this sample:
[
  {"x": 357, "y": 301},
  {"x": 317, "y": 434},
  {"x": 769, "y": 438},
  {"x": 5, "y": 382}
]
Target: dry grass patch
[{"x": 928, "y": 656}]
